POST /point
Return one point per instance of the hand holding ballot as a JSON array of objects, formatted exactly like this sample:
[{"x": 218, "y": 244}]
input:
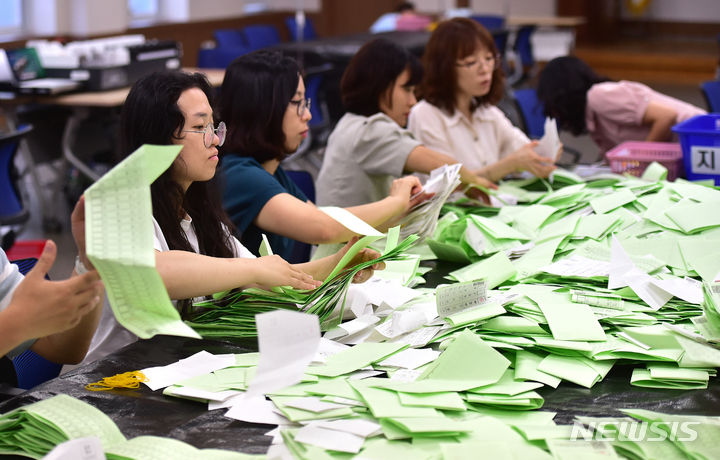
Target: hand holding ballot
[
  {"x": 550, "y": 146},
  {"x": 529, "y": 158}
]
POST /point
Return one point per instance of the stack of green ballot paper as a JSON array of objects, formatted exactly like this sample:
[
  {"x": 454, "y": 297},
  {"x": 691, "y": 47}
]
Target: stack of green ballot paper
[
  {"x": 34, "y": 430},
  {"x": 233, "y": 314}
]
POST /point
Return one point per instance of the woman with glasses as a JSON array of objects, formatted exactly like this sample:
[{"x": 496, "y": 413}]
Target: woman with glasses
[
  {"x": 463, "y": 81},
  {"x": 370, "y": 146},
  {"x": 265, "y": 107},
  {"x": 196, "y": 254}
]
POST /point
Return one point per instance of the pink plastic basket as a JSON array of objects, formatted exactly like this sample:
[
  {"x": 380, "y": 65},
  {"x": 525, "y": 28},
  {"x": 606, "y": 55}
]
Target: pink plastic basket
[{"x": 633, "y": 157}]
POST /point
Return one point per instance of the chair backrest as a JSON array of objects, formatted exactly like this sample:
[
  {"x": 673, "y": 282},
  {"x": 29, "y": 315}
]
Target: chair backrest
[
  {"x": 312, "y": 91},
  {"x": 12, "y": 210},
  {"x": 531, "y": 112},
  {"x": 490, "y": 21},
  {"x": 523, "y": 45},
  {"x": 32, "y": 369},
  {"x": 308, "y": 30},
  {"x": 229, "y": 38},
  {"x": 220, "y": 57},
  {"x": 711, "y": 90},
  {"x": 500, "y": 37},
  {"x": 260, "y": 36},
  {"x": 304, "y": 181}
]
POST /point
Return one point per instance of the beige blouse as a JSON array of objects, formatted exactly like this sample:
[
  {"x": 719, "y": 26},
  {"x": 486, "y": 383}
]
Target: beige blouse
[{"x": 475, "y": 143}]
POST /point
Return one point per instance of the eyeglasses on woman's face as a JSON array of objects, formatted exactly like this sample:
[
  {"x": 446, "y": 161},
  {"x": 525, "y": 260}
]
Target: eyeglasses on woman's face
[
  {"x": 302, "y": 105},
  {"x": 209, "y": 133},
  {"x": 480, "y": 61}
]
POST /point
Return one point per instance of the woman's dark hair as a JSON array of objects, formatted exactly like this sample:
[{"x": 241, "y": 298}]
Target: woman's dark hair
[
  {"x": 151, "y": 115},
  {"x": 563, "y": 87},
  {"x": 451, "y": 41},
  {"x": 405, "y": 6},
  {"x": 255, "y": 94},
  {"x": 371, "y": 75}
]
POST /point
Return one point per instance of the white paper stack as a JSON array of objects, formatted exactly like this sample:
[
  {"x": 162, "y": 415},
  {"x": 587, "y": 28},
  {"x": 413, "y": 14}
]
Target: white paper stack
[
  {"x": 422, "y": 220},
  {"x": 550, "y": 142}
]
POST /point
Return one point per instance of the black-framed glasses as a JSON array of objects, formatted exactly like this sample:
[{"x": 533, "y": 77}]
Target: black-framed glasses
[
  {"x": 209, "y": 133},
  {"x": 487, "y": 62},
  {"x": 302, "y": 105}
]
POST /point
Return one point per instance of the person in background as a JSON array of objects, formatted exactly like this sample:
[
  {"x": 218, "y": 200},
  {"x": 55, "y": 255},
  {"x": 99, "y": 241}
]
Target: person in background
[
  {"x": 370, "y": 146},
  {"x": 265, "y": 108},
  {"x": 196, "y": 254},
  {"x": 612, "y": 112},
  {"x": 462, "y": 83},
  {"x": 403, "y": 18},
  {"x": 409, "y": 20},
  {"x": 55, "y": 319}
]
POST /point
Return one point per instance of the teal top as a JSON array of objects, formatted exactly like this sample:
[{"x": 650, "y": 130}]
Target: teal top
[{"x": 247, "y": 188}]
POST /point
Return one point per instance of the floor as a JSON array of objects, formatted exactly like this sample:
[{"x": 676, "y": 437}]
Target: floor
[{"x": 60, "y": 208}]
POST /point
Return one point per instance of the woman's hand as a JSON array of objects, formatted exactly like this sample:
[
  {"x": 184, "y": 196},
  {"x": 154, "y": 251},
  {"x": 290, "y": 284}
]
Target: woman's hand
[
  {"x": 475, "y": 192},
  {"x": 526, "y": 159},
  {"x": 42, "y": 307},
  {"x": 363, "y": 256},
  {"x": 272, "y": 271},
  {"x": 408, "y": 191}
]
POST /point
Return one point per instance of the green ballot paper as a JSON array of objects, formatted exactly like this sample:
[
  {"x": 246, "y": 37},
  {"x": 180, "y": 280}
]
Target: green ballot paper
[
  {"x": 119, "y": 239},
  {"x": 35, "y": 429}
]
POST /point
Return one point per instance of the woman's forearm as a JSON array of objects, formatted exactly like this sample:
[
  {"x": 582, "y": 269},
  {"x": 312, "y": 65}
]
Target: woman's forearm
[{"x": 187, "y": 274}]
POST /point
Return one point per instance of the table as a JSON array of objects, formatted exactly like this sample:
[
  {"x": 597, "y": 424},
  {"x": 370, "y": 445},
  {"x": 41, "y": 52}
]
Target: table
[
  {"x": 144, "y": 412},
  {"x": 545, "y": 21},
  {"x": 111, "y": 98}
]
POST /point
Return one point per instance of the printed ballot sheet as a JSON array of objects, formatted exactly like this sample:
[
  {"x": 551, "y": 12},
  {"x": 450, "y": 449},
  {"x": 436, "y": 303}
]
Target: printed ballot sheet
[
  {"x": 119, "y": 239},
  {"x": 550, "y": 143}
]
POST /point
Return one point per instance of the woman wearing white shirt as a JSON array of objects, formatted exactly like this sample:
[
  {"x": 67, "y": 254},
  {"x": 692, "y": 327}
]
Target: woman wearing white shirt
[
  {"x": 462, "y": 82},
  {"x": 370, "y": 146},
  {"x": 196, "y": 253}
]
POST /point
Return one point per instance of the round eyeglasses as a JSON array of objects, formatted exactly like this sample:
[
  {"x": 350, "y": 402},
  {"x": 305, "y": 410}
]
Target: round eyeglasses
[
  {"x": 486, "y": 62},
  {"x": 301, "y": 105},
  {"x": 209, "y": 133}
]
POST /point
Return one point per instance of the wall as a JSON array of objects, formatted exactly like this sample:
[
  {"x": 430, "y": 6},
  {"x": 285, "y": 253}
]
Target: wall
[
  {"x": 92, "y": 17},
  {"x": 199, "y": 10},
  {"x": 312, "y": 6},
  {"x": 678, "y": 11},
  {"x": 47, "y": 17},
  {"x": 514, "y": 7}
]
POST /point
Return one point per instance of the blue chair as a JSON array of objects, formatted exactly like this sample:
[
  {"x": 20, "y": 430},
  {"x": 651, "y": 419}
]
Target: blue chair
[
  {"x": 32, "y": 369},
  {"x": 260, "y": 36},
  {"x": 490, "y": 21},
  {"x": 312, "y": 91},
  {"x": 531, "y": 112},
  {"x": 711, "y": 91},
  {"x": 308, "y": 30},
  {"x": 523, "y": 46},
  {"x": 12, "y": 210},
  {"x": 229, "y": 38},
  {"x": 500, "y": 37},
  {"x": 525, "y": 63},
  {"x": 220, "y": 57},
  {"x": 304, "y": 181}
]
